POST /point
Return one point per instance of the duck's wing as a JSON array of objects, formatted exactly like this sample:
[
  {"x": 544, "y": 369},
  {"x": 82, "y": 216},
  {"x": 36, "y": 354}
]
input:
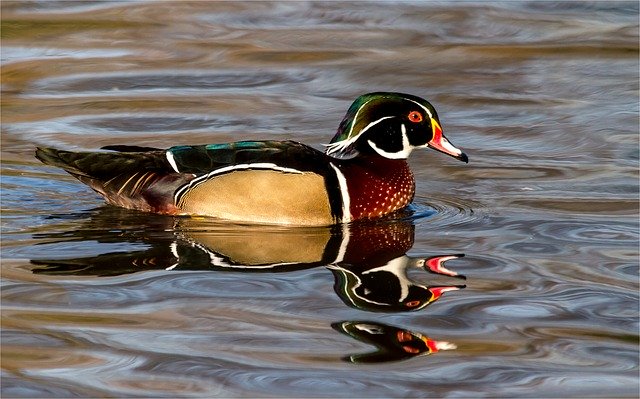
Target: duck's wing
[
  {"x": 147, "y": 178},
  {"x": 204, "y": 159}
]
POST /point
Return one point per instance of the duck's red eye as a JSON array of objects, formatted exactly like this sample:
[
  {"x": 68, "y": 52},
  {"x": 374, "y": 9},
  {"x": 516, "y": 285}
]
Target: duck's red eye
[
  {"x": 415, "y": 116},
  {"x": 412, "y": 304}
]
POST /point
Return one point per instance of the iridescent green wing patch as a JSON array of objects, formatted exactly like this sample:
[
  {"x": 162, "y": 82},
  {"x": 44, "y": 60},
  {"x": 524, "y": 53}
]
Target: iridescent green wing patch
[
  {"x": 204, "y": 159},
  {"x": 199, "y": 159}
]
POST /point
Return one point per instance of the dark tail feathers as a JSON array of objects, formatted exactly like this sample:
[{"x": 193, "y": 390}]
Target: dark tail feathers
[{"x": 60, "y": 159}]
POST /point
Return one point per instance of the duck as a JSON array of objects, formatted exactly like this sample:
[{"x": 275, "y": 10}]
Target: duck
[
  {"x": 369, "y": 260},
  {"x": 362, "y": 173}
]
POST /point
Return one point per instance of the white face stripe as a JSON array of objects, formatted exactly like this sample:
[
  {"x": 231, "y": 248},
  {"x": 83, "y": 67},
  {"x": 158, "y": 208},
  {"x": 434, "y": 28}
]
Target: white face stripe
[
  {"x": 363, "y": 105},
  {"x": 403, "y": 154},
  {"x": 172, "y": 161},
  {"x": 370, "y": 125},
  {"x": 248, "y": 166},
  {"x": 341, "y": 145},
  {"x": 355, "y": 118},
  {"x": 346, "y": 272},
  {"x": 344, "y": 190}
]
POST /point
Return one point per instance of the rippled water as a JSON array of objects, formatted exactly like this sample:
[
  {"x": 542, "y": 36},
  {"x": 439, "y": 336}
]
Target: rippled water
[{"x": 543, "y": 96}]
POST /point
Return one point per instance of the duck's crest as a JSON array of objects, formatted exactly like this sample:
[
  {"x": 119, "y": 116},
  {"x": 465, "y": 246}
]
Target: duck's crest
[{"x": 341, "y": 145}]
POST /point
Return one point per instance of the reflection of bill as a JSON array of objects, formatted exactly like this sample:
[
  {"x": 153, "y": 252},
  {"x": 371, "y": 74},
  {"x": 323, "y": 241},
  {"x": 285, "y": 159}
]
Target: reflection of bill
[{"x": 392, "y": 343}]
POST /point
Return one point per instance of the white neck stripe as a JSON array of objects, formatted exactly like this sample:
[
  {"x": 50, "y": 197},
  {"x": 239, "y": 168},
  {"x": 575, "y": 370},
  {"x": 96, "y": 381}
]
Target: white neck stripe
[{"x": 344, "y": 191}]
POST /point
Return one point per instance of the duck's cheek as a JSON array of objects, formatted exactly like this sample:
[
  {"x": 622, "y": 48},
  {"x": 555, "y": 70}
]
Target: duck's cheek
[
  {"x": 417, "y": 137},
  {"x": 420, "y": 143},
  {"x": 393, "y": 146}
]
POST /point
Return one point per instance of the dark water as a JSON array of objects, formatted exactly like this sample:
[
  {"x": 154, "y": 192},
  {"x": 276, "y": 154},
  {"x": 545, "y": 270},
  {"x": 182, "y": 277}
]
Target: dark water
[{"x": 543, "y": 96}]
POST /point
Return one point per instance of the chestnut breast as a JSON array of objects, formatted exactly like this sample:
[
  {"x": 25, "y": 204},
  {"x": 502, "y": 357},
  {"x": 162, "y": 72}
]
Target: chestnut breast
[{"x": 379, "y": 187}]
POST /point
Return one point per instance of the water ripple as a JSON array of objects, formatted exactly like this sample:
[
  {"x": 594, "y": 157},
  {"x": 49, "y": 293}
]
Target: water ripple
[
  {"x": 448, "y": 212},
  {"x": 591, "y": 233},
  {"x": 184, "y": 83}
]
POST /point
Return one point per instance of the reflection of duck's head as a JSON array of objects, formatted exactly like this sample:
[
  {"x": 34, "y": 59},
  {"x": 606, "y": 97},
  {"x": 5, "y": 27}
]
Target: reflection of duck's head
[
  {"x": 386, "y": 287},
  {"x": 392, "y": 343}
]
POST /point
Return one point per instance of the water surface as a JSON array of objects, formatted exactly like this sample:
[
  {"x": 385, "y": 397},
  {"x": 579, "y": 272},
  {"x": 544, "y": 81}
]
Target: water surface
[{"x": 543, "y": 97}]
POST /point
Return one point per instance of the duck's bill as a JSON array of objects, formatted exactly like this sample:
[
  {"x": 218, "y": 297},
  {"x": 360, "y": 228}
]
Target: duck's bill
[{"x": 440, "y": 143}]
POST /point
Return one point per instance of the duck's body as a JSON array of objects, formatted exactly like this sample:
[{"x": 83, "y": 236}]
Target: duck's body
[{"x": 363, "y": 173}]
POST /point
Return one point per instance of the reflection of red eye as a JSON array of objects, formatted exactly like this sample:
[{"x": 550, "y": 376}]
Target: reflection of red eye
[
  {"x": 412, "y": 304},
  {"x": 410, "y": 349},
  {"x": 415, "y": 116}
]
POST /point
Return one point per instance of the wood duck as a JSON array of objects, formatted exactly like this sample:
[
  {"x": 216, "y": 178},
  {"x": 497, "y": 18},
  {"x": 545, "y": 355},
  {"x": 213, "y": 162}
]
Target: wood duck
[{"x": 362, "y": 174}]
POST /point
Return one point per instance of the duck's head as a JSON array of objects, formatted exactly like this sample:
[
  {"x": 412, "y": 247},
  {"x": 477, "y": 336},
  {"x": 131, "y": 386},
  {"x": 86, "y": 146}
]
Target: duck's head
[{"x": 390, "y": 125}]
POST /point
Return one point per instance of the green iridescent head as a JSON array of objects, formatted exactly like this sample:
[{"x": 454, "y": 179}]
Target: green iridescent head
[{"x": 390, "y": 125}]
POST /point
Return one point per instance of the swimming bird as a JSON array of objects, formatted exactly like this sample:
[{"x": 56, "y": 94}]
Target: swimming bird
[{"x": 362, "y": 174}]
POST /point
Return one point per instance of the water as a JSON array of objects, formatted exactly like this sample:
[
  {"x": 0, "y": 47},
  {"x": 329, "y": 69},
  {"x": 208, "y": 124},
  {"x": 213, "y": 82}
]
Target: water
[{"x": 543, "y": 96}]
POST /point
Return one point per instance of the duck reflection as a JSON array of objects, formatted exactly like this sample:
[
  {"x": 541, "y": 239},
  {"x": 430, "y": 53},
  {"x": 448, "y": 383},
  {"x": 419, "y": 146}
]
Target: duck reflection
[
  {"x": 392, "y": 343},
  {"x": 368, "y": 260}
]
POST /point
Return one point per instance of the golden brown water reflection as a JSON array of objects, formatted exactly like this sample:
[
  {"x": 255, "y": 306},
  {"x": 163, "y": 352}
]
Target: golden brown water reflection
[{"x": 542, "y": 96}]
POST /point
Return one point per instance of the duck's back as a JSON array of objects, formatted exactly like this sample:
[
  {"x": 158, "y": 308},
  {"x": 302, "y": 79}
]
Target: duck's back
[{"x": 258, "y": 181}]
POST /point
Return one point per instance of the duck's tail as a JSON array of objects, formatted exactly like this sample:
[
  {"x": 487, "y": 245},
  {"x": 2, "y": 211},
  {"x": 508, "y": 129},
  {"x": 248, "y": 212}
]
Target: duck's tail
[
  {"x": 61, "y": 159},
  {"x": 141, "y": 180}
]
